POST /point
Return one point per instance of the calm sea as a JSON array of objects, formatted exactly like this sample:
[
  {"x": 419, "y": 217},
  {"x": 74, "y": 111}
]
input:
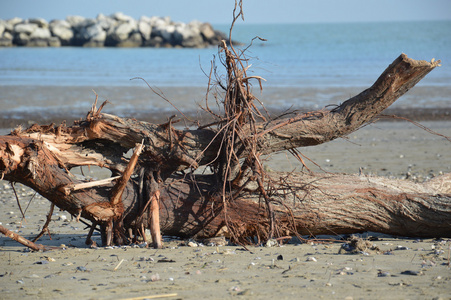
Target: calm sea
[{"x": 294, "y": 55}]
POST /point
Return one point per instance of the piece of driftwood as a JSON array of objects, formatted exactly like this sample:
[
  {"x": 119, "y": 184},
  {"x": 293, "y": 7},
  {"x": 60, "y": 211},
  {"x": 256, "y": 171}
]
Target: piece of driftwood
[
  {"x": 313, "y": 204},
  {"x": 41, "y": 157}
]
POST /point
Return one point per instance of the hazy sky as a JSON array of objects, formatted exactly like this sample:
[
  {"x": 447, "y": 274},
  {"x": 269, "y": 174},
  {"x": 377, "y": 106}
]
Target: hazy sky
[{"x": 220, "y": 11}]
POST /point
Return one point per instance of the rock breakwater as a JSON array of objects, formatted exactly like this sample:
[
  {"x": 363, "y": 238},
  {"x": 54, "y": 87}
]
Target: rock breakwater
[{"x": 116, "y": 30}]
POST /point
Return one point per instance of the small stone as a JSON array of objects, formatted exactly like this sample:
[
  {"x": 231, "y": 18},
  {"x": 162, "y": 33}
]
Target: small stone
[
  {"x": 271, "y": 243},
  {"x": 193, "y": 244},
  {"x": 402, "y": 248},
  {"x": 410, "y": 272},
  {"x": 246, "y": 292},
  {"x": 311, "y": 258},
  {"x": 382, "y": 274},
  {"x": 155, "y": 277}
]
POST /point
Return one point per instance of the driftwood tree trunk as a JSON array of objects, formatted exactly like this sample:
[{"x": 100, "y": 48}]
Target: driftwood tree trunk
[
  {"x": 314, "y": 204},
  {"x": 42, "y": 156}
]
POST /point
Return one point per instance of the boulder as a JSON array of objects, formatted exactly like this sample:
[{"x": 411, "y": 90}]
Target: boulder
[
  {"x": 39, "y": 21},
  {"x": 155, "y": 41},
  {"x": 135, "y": 40},
  {"x": 145, "y": 29},
  {"x": 14, "y": 21},
  {"x": 7, "y": 27},
  {"x": 188, "y": 36},
  {"x": 26, "y": 28},
  {"x": 207, "y": 31},
  {"x": 106, "y": 22},
  {"x": 146, "y": 19},
  {"x": 7, "y": 35},
  {"x": 54, "y": 42},
  {"x": 41, "y": 33},
  {"x": 120, "y": 33},
  {"x": 119, "y": 16},
  {"x": 95, "y": 36},
  {"x": 81, "y": 34},
  {"x": 74, "y": 20},
  {"x": 165, "y": 32},
  {"x": 6, "y": 39},
  {"x": 37, "y": 42},
  {"x": 94, "y": 32},
  {"x": 2, "y": 28},
  {"x": 62, "y": 30},
  {"x": 21, "y": 39},
  {"x": 124, "y": 30}
]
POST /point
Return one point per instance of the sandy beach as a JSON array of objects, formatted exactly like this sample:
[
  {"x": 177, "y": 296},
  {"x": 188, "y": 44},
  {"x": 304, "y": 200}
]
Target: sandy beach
[{"x": 396, "y": 268}]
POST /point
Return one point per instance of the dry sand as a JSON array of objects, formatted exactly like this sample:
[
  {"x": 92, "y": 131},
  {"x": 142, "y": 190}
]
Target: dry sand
[{"x": 401, "y": 269}]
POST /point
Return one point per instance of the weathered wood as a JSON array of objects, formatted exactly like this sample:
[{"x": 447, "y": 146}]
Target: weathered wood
[
  {"x": 315, "y": 204},
  {"x": 42, "y": 156},
  {"x": 21, "y": 239}
]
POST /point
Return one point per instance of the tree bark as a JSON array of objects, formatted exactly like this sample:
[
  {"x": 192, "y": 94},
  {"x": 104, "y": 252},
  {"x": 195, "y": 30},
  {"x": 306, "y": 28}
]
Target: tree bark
[
  {"x": 42, "y": 156},
  {"x": 314, "y": 204}
]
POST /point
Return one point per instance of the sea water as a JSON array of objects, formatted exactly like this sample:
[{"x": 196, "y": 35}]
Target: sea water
[{"x": 299, "y": 56}]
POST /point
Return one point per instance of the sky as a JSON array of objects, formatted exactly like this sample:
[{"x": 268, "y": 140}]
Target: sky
[{"x": 220, "y": 11}]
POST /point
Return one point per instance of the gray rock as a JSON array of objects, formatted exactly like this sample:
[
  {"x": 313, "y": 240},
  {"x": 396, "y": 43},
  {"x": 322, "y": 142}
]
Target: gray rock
[
  {"x": 207, "y": 31},
  {"x": 165, "y": 32},
  {"x": 95, "y": 36},
  {"x": 26, "y": 28},
  {"x": 119, "y": 16},
  {"x": 54, "y": 42},
  {"x": 94, "y": 32},
  {"x": 135, "y": 40},
  {"x": 39, "y": 21},
  {"x": 146, "y": 19},
  {"x": 2, "y": 28},
  {"x": 121, "y": 32},
  {"x": 74, "y": 20},
  {"x": 188, "y": 35},
  {"x": 41, "y": 33},
  {"x": 7, "y": 27},
  {"x": 60, "y": 23},
  {"x": 145, "y": 29},
  {"x": 7, "y": 35},
  {"x": 106, "y": 23},
  {"x": 101, "y": 17},
  {"x": 6, "y": 40},
  {"x": 80, "y": 26},
  {"x": 35, "y": 42},
  {"x": 62, "y": 30},
  {"x": 21, "y": 39},
  {"x": 83, "y": 31},
  {"x": 155, "y": 41},
  {"x": 14, "y": 21}
]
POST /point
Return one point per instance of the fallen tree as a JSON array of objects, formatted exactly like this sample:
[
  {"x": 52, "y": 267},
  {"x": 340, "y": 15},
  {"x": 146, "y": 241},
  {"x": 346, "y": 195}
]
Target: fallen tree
[{"x": 158, "y": 186}]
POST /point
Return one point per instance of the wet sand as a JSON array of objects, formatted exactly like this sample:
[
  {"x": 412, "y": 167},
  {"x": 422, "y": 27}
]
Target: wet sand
[
  {"x": 401, "y": 268},
  {"x": 25, "y": 105}
]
